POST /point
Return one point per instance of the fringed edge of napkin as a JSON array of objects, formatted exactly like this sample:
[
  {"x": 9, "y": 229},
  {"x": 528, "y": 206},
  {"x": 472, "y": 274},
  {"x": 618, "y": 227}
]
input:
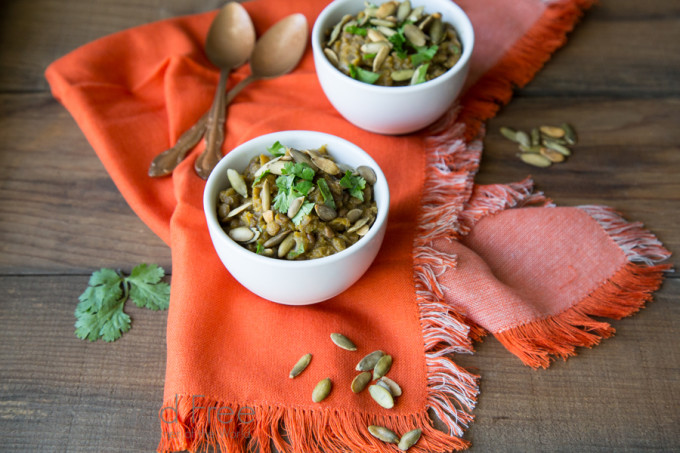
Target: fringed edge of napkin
[
  {"x": 623, "y": 294},
  {"x": 233, "y": 428}
]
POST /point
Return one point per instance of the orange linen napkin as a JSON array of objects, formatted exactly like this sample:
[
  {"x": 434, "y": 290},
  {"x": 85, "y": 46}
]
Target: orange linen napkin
[{"x": 454, "y": 265}]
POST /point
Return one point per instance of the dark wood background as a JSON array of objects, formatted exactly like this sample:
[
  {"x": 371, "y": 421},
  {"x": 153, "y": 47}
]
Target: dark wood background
[{"x": 61, "y": 217}]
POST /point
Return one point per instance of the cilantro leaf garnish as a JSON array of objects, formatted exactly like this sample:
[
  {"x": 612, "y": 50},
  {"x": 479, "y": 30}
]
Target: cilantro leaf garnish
[
  {"x": 326, "y": 193},
  {"x": 99, "y": 313},
  {"x": 277, "y": 149},
  {"x": 363, "y": 75},
  {"x": 419, "y": 74},
  {"x": 354, "y": 183},
  {"x": 306, "y": 208},
  {"x": 423, "y": 54},
  {"x": 296, "y": 181},
  {"x": 398, "y": 40},
  {"x": 356, "y": 30}
]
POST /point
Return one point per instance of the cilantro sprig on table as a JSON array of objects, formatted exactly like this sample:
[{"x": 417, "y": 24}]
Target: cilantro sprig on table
[{"x": 100, "y": 315}]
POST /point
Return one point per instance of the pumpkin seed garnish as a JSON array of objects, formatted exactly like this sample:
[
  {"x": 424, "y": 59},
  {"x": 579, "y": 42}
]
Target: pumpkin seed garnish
[
  {"x": 300, "y": 366},
  {"x": 360, "y": 381},
  {"x": 322, "y": 390},
  {"x": 409, "y": 439},
  {"x": 384, "y": 434},
  {"x": 382, "y": 366},
  {"x": 382, "y": 396},
  {"x": 343, "y": 342}
]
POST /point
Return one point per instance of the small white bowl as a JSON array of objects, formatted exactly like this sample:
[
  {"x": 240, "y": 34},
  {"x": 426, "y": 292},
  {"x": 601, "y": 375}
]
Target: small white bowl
[
  {"x": 306, "y": 281},
  {"x": 391, "y": 110}
]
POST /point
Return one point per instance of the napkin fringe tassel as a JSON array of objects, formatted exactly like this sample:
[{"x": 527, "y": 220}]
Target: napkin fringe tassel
[
  {"x": 624, "y": 293},
  {"x": 521, "y": 63},
  {"x": 197, "y": 423}
]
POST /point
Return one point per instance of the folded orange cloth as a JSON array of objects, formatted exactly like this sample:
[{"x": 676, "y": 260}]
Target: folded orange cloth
[{"x": 454, "y": 265}]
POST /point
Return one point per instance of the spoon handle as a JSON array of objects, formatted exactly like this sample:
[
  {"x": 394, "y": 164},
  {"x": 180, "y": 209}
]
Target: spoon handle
[
  {"x": 214, "y": 132},
  {"x": 165, "y": 162}
]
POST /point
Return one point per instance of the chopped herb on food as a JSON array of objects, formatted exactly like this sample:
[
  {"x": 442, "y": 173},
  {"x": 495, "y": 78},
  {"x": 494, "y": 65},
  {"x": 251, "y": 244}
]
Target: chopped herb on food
[
  {"x": 277, "y": 149},
  {"x": 363, "y": 75},
  {"x": 354, "y": 183},
  {"x": 423, "y": 54}
]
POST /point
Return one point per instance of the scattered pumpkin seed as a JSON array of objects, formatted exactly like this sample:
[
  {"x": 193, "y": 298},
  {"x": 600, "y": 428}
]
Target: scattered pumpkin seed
[
  {"x": 508, "y": 133},
  {"x": 384, "y": 434},
  {"x": 395, "y": 389},
  {"x": 343, "y": 342},
  {"x": 569, "y": 134},
  {"x": 237, "y": 182},
  {"x": 523, "y": 138},
  {"x": 552, "y": 131},
  {"x": 322, "y": 390},
  {"x": 557, "y": 147},
  {"x": 300, "y": 366},
  {"x": 382, "y": 396},
  {"x": 382, "y": 367},
  {"x": 369, "y": 361},
  {"x": 544, "y": 145},
  {"x": 554, "y": 156},
  {"x": 360, "y": 381},
  {"x": 409, "y": 439},
  {"x": 384, "y": 385},
  {"x": 537, "y": 160}
]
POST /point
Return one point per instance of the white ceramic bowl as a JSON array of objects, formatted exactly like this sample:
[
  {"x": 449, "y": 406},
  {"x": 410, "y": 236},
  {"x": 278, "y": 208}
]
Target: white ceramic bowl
[
  {"x": 391, "y": 110},
  {"x": 296, "y": 282}
]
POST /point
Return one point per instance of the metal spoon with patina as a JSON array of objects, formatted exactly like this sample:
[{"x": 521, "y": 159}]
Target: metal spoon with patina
[
  {"x": 276, "y": 53},
  {"x": 229, "y": 43}
]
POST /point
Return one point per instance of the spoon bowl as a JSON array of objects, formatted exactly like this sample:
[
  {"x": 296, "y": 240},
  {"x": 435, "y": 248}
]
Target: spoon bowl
[{"x": 230, "y": 41}]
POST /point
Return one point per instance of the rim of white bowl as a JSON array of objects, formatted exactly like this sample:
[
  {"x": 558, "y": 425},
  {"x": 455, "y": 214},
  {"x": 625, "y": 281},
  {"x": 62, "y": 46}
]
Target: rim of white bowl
[
  {"x": 317, "y": 50},
  {"x": 213, "y": 182}
]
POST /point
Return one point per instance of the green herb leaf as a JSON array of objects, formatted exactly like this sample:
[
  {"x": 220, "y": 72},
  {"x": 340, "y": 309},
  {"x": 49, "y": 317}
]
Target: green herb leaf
[
  {"x": 146, "y": 288},
  {"x": 423, "y": 54},
  {"x": 354, "y": 183},
  {"x": 260, "y": 177},
  {"x": 306, "y": 208},
  {"x": 356, "y": 30},
  {"x": 99, "y": 313},
  {"x": 363, "y": 75},
  {"x": 419, "y": 74},
  {"x": 259, "y": 249},
  {"x": 326, "y": 193},
  {"x": 368, "y": 56},
  {"x": 277, "y": 149},
  {"x": 303, "y": 187},
  {"x": 398, "y": 40},
  {"x": 299, "y": 169}
]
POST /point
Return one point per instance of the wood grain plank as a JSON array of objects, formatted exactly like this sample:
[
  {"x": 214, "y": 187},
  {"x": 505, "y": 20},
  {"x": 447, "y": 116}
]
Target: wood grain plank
[
  {"x": 60, "y": 393},
  {"x": 59, "y": 209},
  {"x": 596, "y": 60}
]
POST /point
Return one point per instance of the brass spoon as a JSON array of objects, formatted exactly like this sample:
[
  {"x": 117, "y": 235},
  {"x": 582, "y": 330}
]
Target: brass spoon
[
  {"x": 276, "y": 53},
  {"x": 230, "y": 41}
]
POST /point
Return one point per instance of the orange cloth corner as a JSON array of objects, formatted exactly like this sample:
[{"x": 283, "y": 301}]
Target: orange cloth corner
[{"x": 229, "y": 352}]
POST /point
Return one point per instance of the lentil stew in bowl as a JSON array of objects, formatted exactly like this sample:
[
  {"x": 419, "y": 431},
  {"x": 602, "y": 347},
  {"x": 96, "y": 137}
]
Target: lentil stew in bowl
[
  {"x": 297, "y": 204},
  {"x": 393, "y": 44}
]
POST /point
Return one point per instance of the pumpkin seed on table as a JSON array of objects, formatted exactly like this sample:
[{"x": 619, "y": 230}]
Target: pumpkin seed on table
[
  {"x": 544, "y": 145},
  {"x": 360, "y": 382},
  {"x": 409, "y": 439},
  {"x": 343, "y": 342},
  {"x": 384, "y": 434},
  {"x": 537, "y": 160},
  {"x": 322, "y": 390},
  {"x": 300, "y": 366}
]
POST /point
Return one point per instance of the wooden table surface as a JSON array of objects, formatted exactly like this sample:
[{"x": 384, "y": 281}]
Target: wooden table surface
[{"x": 61, "y": 218}]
